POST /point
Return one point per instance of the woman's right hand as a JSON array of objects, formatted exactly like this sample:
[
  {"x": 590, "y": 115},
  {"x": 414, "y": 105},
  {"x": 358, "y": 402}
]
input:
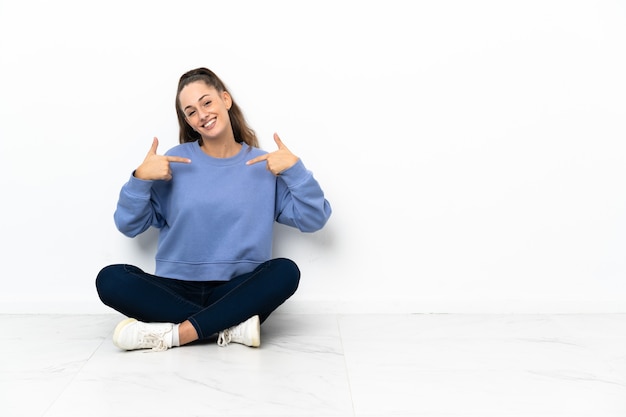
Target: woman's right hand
[{"x": 157, "y": 167}]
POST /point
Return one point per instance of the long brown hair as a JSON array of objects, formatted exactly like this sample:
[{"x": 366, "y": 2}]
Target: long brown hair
[{"x": 241, "y": 130}]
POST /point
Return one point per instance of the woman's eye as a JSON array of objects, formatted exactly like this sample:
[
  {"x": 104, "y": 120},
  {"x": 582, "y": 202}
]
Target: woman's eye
[
  {"x": 207, "y": 103},
  {"x": 191, "y": 113}
]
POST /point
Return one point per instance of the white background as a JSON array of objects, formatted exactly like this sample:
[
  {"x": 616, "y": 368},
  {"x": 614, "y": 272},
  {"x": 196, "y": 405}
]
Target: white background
[{"x": 473, "y": 151}]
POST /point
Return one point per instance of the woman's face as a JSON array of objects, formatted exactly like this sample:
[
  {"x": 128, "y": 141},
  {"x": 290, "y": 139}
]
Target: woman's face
[{"x": 206, "y": 109}]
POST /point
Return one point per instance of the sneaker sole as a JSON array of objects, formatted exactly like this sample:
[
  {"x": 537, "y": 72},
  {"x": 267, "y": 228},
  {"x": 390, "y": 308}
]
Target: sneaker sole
[{"x": 118, "y": 329}]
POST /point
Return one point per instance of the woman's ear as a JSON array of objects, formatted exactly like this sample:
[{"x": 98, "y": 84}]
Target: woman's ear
[{"x": 228, "y": 100}]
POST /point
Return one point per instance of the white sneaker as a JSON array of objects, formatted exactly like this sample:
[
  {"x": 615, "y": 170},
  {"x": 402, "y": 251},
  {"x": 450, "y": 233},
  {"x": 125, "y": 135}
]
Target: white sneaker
[
  {"x": 247, "y": 333},
  {"x": 131, "y": 334}
]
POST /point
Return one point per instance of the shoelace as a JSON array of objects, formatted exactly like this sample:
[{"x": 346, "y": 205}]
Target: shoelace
[
  {"x": 224, "y": 338},
  {"x": 154, "y": 339}
]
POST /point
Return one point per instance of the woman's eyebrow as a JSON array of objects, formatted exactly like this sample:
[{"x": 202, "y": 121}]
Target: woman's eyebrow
[{"x": 200, "y": 99}]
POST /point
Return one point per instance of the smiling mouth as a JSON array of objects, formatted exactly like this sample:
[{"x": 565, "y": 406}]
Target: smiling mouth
[{"x": 209, "y": 124}]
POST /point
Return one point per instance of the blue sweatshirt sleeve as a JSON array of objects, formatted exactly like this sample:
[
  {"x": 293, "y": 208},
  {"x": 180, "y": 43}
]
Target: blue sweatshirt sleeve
[
  {"x": 137, "y": 210},
  {"x": 300, "y": 201}
]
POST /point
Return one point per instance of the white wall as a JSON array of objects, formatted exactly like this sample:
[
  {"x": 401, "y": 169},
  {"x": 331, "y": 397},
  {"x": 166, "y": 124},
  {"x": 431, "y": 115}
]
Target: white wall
[{"x": 473, "y": 151}]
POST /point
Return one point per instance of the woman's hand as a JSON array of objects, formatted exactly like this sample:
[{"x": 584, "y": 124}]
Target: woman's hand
[
  {"x": 157, "y": 167},
  {"x": 277, "y": 161}
]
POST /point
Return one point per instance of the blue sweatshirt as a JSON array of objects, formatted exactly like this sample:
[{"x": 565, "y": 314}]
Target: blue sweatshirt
[{"x": 216, "y": 215}]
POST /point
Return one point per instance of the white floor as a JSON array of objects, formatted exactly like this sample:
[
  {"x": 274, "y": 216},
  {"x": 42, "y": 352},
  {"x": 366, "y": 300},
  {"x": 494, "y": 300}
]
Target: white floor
[{"x": 323, "y": 365}]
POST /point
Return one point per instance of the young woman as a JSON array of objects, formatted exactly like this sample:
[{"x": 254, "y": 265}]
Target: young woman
[{"x": 214, "y": 198}]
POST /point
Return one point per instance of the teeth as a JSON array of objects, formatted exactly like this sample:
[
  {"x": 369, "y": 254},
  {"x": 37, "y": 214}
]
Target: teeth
[{"x": 209, "y": 123}]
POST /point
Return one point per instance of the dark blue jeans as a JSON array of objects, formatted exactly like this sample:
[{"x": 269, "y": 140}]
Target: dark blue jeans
[{"x": 210, "y": 306}]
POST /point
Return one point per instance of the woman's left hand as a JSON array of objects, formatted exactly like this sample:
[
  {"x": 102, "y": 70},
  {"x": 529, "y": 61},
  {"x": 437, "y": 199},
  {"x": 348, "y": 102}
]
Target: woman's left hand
[{"x": 277, "y": 161}]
